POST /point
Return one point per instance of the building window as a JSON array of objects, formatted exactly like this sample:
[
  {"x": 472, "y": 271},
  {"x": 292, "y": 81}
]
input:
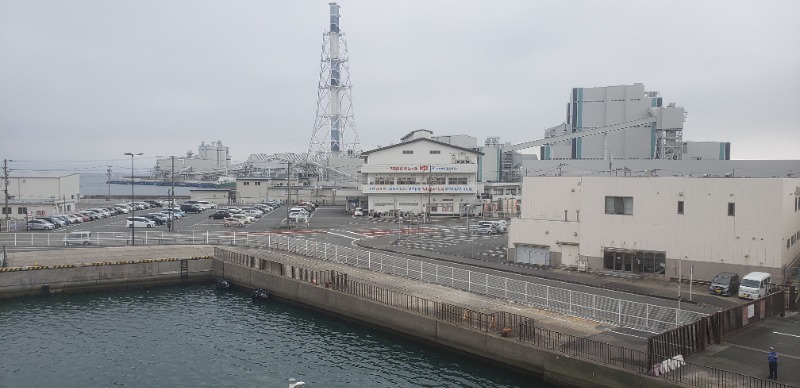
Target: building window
[
  {"x": 6, "y": 210},
  {"x": 258, "y": 183},
  {"x": 731, "y": 209},
  {"x": 408, "y": 152},
  {"x": 457, "y": 181},
  {"x": 22, "y": 210},
  {"x": 637, "y": 262},
  {"x": 406, "y": 181},
  {"x": 246, "y": 183},
  {"x": 435, "y": 152},
  {"x": 680, "y": 207},
  {"x": 619, "y": 205}
]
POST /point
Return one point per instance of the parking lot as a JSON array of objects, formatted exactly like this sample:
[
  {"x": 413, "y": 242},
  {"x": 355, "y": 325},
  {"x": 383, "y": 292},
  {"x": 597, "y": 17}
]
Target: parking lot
[{"x": 327, "y": 223}]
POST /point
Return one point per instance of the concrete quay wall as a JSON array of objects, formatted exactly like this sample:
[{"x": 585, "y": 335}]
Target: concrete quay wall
[
  {"x": 39, "y": 280},
  {"x": 553, "y": 367}
]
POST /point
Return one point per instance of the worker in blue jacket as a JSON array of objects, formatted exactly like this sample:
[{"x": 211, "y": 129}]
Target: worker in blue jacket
[{"x": 772, "y": 357}]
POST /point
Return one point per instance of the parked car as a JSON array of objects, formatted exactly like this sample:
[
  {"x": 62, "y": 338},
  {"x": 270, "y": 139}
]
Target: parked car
[
  {"x": 725, "y": 283},
  {"x": 92, "y": 215},
  {"x": 73, "y": 219},
  {"x": 220, "y": 214},
  {"x": 140, "y": 222},
  {"x": 298, "y": 216},
  {"x": 244, "y": 218},
  {"x": 78, "y": 237},
  {"x": 253, "y": 212},
  {"x": 485, "y": 230},
  {"x": 100, "y": 212},
  {"x": 191, "y": 208},
  {"x": 358, "y": 212},
  {"x": 84, "y": 217},
  {"x": 154, "y": 203},
  {"x": 39, "y": 224},
  {"x": 55, "y": 221},
  {"x": 498, "y": 227},
  {"x": 230, "y": 221},
  {"x": 122, "y": 210},
  {"x": 299, "y": 210},
  {"x": 156, "y": 217},
  {"x": 755, "y": 285}
]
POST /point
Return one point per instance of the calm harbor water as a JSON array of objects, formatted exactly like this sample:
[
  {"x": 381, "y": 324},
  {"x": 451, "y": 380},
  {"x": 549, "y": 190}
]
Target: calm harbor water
[{"x": 193, "y": 335}]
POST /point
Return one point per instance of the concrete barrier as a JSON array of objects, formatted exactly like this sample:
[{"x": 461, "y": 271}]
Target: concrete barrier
[{"x": 101, "y": 276}]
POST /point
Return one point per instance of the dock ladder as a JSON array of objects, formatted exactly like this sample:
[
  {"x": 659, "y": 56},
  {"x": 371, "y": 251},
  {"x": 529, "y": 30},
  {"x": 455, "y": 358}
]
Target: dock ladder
[{"x": 184, "y": 270}]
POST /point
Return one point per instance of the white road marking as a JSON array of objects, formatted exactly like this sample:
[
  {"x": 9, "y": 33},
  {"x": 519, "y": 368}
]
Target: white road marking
[
  {"x": 342, "y": 235},
  {"x": 791, "y": 335},
  {"x": 632, "y": 335}
]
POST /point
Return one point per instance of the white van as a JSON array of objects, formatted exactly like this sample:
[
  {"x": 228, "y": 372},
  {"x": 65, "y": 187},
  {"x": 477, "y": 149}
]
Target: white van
[
  {"x": 140, "y": 222},
  {"x": 754, "y": 285},
  {"x": 78, "y": 238}
]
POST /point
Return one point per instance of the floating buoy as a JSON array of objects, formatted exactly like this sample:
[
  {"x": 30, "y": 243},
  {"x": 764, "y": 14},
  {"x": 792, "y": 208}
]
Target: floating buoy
[
  {"x": 223, "y": 284},
  {"x": 260, "y": 294}
]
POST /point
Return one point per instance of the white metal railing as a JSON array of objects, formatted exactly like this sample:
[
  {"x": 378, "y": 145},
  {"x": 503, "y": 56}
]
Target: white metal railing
[
  {"x": 122, "y": 238},
  {"x": 644, "y": 316},
  {"x": 626, "y": 313}
]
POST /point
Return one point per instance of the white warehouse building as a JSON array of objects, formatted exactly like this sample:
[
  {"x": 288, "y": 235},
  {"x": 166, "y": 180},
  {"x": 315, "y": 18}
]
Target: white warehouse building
[
  {"x": 420, "y": 175},
  {"x": 656, "y": 225}
]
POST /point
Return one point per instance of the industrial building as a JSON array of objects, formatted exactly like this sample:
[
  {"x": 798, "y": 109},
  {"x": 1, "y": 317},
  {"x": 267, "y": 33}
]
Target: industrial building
[
  {"x": 657, "y": 136},
  {"x": 31, "y": 196},
  {"x": 663, "y": 227},
  {"x": 419, "y": 176}
]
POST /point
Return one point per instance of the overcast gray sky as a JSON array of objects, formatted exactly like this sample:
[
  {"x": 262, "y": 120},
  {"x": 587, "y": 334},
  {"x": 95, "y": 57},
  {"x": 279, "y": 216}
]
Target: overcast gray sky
[{"x": 87, "y": 80}]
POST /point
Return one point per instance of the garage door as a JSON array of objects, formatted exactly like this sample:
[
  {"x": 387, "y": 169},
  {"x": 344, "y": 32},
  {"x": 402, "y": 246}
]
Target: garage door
[{"x": 533, "y": 255}]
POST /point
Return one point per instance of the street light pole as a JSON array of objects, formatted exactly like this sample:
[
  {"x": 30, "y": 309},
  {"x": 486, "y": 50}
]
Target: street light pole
[
  {"x": 133, "y": 206},
  {"x": 172, "y": 226}
]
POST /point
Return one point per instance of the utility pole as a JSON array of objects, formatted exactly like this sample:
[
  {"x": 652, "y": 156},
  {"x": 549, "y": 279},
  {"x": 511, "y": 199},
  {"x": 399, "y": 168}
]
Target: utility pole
[
  {"x": 108, "y": 181},
  {"x": 430, "y": 181},
  {"x": 288, "y": 192},
  {"x": 6, "y": 210}
]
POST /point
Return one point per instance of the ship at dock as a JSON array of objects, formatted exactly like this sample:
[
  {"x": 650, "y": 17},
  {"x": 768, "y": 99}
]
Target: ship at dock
[{"x": 210, "y": 167}]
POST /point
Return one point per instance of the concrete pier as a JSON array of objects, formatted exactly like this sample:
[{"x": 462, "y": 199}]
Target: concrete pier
[{"x": 92, "y": 269}]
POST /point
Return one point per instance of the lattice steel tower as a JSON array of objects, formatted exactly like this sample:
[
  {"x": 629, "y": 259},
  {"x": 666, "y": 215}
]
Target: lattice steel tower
[{"x": 334, "y": 131}]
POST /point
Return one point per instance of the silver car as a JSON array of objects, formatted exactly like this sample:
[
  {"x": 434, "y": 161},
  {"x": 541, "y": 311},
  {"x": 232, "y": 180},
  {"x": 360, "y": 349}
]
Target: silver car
[{"x": 37, "y": 224}]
